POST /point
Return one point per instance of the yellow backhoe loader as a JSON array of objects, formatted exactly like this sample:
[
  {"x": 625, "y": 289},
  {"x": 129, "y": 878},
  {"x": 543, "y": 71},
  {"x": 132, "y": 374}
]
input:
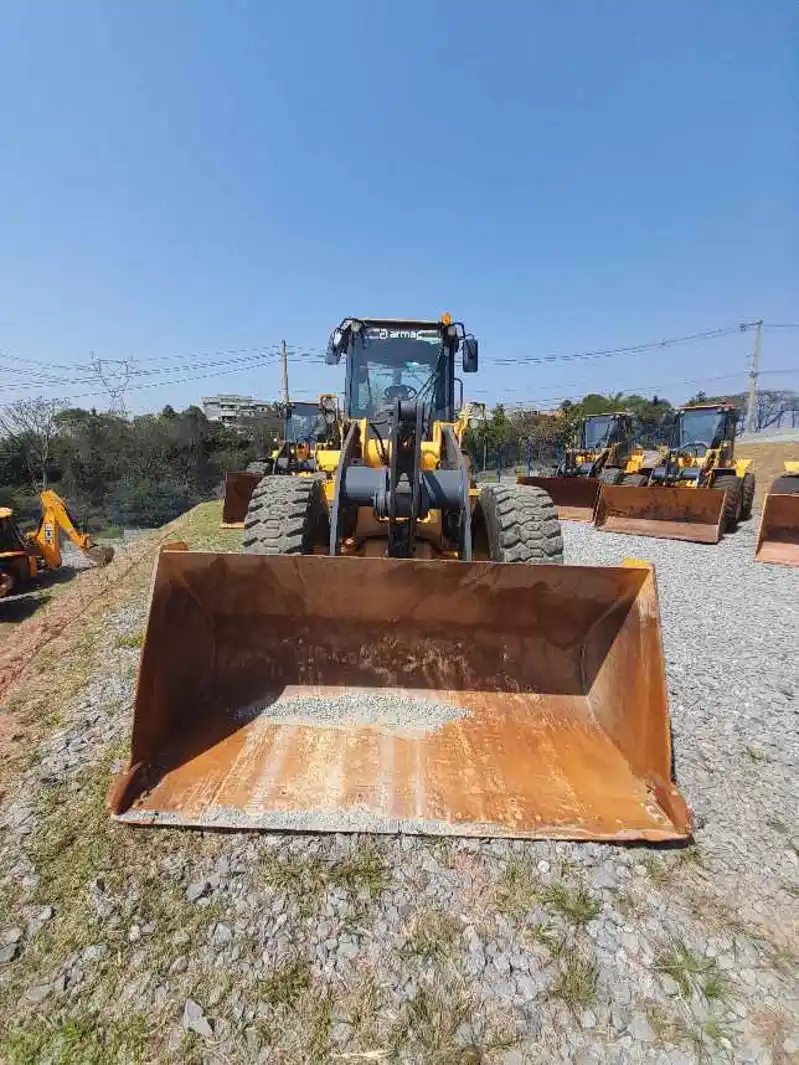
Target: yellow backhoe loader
[
  {"x": 695, "y": 490},
  {"x": 372, "y": 662},
  {"x": 306, "y": 427},
  {"x": 778, "y": 535},
  {"x": 25, "y": 556},
  {"x": 600, "y": 454}
]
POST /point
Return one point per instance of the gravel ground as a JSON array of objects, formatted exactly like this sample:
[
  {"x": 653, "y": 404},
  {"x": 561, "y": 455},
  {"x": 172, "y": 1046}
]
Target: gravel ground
[{"x": 135, "y": 945}]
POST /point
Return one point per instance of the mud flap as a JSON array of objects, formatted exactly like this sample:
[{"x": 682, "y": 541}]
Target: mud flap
[
  {"x": 239, "y": 487},
  {"x": 778, "y": 535},
  {"x": 574, "y": 497},
  {"x": 393, "y": 695},
  {"x": 667, "y": 512}
]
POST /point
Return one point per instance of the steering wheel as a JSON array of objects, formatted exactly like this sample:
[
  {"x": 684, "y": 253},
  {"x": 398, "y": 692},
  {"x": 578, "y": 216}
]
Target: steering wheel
[
  {"x": 401, "y": 392},
  {"x": 694, "y": 445}
]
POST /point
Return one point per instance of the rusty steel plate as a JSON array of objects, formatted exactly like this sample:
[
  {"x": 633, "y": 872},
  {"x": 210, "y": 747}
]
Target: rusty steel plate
[
  {"x": 391, "y": 695},
  {"x": 666, "y": 512},
  {"x": 778, "y": 535},
  {"x": 574, "y": 497},
  {"x": 239, "y": 487}
]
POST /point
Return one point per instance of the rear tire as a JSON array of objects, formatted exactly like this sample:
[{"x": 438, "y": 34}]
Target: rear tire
[
  {"x": 635, "y": 480},
  {"x": 747, "y": 495},
  {"x": 518, "y": 523},
  {"x": 730, "y": 484},
  {"x": 286, "y": 516},
  {"x": 787, "y": 484},
  {"x": 611, "y": 475}
]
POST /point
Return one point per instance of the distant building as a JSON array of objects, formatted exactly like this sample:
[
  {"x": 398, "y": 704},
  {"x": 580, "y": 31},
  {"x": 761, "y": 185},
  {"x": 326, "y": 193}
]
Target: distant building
[{"x": 231, "y": 409}]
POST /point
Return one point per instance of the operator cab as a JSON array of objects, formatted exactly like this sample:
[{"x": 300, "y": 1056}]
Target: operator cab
[
  {"x": 304, "y": 423},
  {"x": 405, "y": 362},
  {"x": 697, "y": 430},
  {"x": 602, "y": 430}
]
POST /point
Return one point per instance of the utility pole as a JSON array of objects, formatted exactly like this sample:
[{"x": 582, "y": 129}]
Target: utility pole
[
  {"x": 751, "y": 407},
  {"x": 284, "y": 372}
]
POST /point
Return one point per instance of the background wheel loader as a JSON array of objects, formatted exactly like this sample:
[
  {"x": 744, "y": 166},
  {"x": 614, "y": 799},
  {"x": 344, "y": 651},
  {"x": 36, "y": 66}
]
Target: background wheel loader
[
  {"x": 696, "y": 490},
  {"x": 601, "y": 454},
  {"x": 306, "y": 426},
  {"x": 778, "y": 535},
  {"x": 25, "y": 556},
  {"x": 357, "y": 669}
]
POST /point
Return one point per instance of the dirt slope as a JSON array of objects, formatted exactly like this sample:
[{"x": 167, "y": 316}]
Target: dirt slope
[{"x": 767, "y": 463}]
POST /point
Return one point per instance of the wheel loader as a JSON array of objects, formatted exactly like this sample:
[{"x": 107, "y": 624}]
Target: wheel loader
[
  {"x": 305, "y": 427},
  {"x": 778, "y": 534},
  {"x": 694, "y": 490},
  {"x": 377, "y": 660},
  {"x": 600, "y": 454},
  {"x": 26, "y": 556}
]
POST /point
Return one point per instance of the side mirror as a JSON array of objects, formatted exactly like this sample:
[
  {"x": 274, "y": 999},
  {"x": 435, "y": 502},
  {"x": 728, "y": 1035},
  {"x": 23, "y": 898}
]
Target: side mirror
[
  {"x": 469, "y": 355},
  {"x": 335, "y": 346}
]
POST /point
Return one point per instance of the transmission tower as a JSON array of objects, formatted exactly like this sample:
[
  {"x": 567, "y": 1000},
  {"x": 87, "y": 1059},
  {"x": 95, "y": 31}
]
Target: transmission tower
[{"x": 114, "y": 376}]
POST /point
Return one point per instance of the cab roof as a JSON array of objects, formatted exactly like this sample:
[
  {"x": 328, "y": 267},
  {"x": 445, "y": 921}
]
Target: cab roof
[{"x": 708, "y": 406}]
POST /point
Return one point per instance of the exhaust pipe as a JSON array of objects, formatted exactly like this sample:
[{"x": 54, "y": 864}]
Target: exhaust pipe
[
  {"x": 667, "y": 512},
  {"x": 393, "y": 695}
]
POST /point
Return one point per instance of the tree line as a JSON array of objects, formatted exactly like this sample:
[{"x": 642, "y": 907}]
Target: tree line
[
  {"x": 146, "y": 470},
  {"x": 509, "y": 438},
  {"x": 116, "y": 471}
]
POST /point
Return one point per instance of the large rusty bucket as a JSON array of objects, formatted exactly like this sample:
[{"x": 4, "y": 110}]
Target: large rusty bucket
[
  {"x": 393, "y": 695},
  {"x": 667, "y": 512},
  {"x": 778, "y": 535},
  {"x": 574, "y": 497},
  {"x": 239, "y": 487}
]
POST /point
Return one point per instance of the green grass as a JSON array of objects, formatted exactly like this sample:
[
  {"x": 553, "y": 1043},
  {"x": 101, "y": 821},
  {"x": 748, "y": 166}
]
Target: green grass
[
  {"x": 363, "y": 872},
  {"x": 135, "y": 640},
  {"x": 285, "y": 985},
  {"x": 575, "y": 986},
  {"x": 433, "y": 1027},
  {"x": 547, "y": 937},
  {"x": 79, "y": 1039},
  {"x": 575, "y": 905},
  {"x": 517, "y": 892},
  {"x": 435, "y": 936},
  {"x": 691, "y": 972}
]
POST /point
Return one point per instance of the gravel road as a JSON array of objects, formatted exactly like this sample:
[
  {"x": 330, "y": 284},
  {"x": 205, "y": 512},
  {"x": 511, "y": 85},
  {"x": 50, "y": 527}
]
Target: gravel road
[{"x": 235, "y": 947}]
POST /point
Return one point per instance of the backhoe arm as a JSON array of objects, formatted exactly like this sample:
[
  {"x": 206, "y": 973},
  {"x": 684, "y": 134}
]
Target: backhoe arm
[{"x": 57, "y": 519}]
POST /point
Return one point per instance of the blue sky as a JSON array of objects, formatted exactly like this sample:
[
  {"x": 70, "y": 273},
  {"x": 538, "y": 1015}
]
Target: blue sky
[{"x": 192, "y": 177}]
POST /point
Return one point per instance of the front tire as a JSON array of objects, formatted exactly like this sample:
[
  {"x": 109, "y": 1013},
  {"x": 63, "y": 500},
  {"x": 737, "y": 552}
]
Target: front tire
[
  {"x": 518, "y": 523},
  {"x": 731, "y": 484},
  {"x": 286, "y": 516},
  {"x": 748, "y": 495}
]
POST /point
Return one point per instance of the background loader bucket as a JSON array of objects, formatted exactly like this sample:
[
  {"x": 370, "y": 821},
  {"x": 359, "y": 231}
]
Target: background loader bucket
[
  {"x": 670, "y": 513},
  {"x": 239, "y": 488},
  {"x": 392, "y": 695},
  {"x": 574, "y": 497},
  {"x": 778, "y": 536}
]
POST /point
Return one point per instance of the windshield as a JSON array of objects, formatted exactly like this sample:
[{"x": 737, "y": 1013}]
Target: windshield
[
  {"x": 699, "y": 426},
  {"x": 303, "y": 423},
  {"x": 392, "y": 364},
  {"x": 596, "y": 431}
]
